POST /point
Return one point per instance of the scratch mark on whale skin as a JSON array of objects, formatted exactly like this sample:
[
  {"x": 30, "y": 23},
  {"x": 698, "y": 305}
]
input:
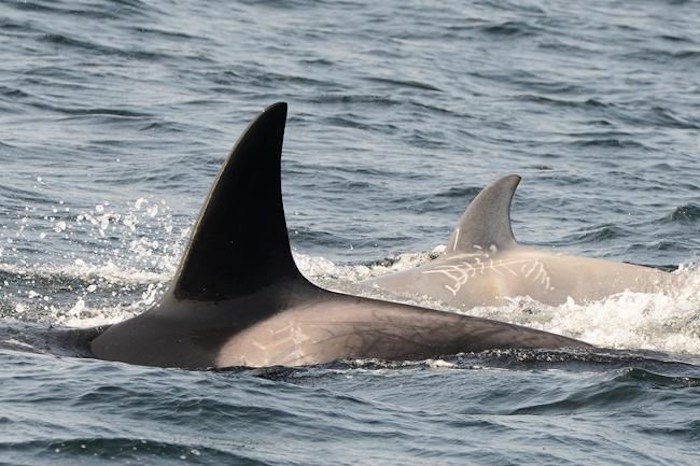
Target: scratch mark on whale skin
[{"x": 458, "y": 275}]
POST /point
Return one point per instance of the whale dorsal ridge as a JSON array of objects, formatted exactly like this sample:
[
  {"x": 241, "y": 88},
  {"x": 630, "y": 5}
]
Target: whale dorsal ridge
[
  {"x": 240, "y": 244},
  {"x": 486, "y": 222}
]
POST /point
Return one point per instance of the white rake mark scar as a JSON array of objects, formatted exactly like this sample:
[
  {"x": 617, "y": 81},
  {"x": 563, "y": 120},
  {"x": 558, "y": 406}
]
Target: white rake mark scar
[
  {"x": 295, "y": 336},
  {"x": 541, "y": 275},
  {"x": 459, "y": 274}
]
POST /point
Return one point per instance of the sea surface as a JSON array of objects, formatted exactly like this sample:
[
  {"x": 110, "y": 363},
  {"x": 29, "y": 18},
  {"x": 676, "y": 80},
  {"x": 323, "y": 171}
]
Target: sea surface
[{"x": 115, "y": 116}]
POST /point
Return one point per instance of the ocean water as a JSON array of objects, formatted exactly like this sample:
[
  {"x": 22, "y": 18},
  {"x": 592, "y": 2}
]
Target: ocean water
[{"x": 116, "y": 115}]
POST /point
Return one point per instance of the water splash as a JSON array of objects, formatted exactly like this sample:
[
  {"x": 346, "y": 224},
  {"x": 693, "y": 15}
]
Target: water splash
[{"x": 106, "y": 264}]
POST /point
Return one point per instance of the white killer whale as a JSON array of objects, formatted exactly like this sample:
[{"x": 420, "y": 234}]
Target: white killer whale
[
  {"x": 238, "y": 298},
  {"x": 483, "y": 265}
]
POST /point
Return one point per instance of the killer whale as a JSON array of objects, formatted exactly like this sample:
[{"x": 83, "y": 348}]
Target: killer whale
[
  {"x": 484, "y": 265},
  {"x": 238, "y": 298}
]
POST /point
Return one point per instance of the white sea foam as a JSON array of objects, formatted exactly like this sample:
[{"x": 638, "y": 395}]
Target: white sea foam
[
  {"x": 323, "y": 269},
  {"x": 81, "y": 270}
]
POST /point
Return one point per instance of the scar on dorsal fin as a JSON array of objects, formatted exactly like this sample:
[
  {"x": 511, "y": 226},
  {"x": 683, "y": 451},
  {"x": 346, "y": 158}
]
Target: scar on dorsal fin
[
  {"x": 240, "y": 242},
  {"x": 486, "y": 222}
]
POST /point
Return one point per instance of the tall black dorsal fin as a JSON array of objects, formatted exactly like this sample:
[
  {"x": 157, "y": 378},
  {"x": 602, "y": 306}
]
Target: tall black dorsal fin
[
  {"x": 240, "y": 243},
  {"x": 486, "y": 222}
]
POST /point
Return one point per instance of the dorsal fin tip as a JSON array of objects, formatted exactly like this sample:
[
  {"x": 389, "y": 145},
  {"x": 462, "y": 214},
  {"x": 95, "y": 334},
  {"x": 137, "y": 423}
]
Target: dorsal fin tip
[
  {"x": 485, "y": 223},
  {"x": 239, "y": 243}
]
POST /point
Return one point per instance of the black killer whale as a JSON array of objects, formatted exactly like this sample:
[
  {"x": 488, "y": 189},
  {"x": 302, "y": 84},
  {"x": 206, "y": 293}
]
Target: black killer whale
[{"x": 238, "y": 298}]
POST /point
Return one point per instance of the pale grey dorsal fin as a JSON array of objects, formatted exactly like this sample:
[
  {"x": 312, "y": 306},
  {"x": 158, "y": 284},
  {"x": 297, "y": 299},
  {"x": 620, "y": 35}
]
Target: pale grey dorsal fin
[{"x": 486, "y": 222}]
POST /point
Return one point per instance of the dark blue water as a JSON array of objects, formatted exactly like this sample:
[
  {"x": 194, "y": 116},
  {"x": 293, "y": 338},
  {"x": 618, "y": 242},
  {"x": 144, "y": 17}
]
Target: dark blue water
[{"x": 115, "y": 116}]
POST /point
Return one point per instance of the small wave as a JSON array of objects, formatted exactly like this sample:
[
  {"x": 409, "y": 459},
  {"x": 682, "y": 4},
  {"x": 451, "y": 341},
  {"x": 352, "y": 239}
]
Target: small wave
[
  {"x": 122, "y": 449},
  {"x": 405, "y": 83},
  {"x": 426, "y": 205},
  {"x": 564, "y": 103},
  {"x": 19, "y": 196},
  {"x": 665, "y": 56},
  {"x": 511, "y": 29},
  {"x": 355, "y": 122},
  {"x": 164, "y": 33},
  {"x": 273, "y": 80},
  {"x": 427, "y": 139},
  {"x": 598, "y": 234},
  {"x": 616, "y": 143},
  {"x": 608, "y": 391},
  {"x": 285, "y": 4},
  {"x": 667, "y": 118},
  {"x": 597, "y": 360},
  {"x": 689, "y": 213},
  {"x": 334, "y": 98},
  {"x": 14, "y": 92},
  {"x": 101, "y": 11},
  {"x": 643, "y": 365},
  {"x": 117, "y": 112},
  {"x": 67, "y": 41},
  {"x": 659, "y": 380},
  {"x": 460, "y": 192}
]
